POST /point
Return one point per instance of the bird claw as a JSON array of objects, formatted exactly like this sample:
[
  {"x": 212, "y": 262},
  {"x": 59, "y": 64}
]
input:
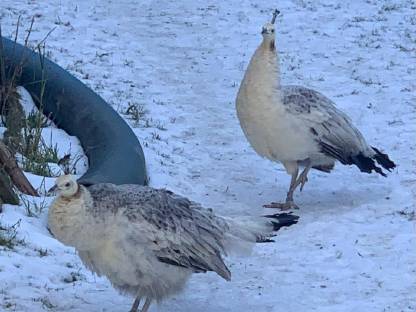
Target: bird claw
[{"x": 282, "y": 206}]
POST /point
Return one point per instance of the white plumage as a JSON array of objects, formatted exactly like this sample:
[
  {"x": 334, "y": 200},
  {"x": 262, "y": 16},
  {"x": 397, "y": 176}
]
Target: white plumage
[
  {"x": 297, "y": 126},
  {"x": 148, "y": 242}
]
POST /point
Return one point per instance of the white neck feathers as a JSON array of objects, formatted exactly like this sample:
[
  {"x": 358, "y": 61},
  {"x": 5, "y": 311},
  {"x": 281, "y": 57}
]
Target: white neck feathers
[
  {"x": 69, "y": 220},
  {"x": 262, "y": 78}
]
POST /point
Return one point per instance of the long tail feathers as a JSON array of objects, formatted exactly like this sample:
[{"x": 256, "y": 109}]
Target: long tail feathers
[
  {"x": 278, "y": 221},
  {"x": 364, "y": 162},
  {"x": 383, "y": 160},
  {"x": 367, "y": 164}
]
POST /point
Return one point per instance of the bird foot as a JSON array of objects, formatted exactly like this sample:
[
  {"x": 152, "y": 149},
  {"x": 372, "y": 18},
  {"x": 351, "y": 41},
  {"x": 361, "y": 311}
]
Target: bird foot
[{"x": 282, "y": 206}]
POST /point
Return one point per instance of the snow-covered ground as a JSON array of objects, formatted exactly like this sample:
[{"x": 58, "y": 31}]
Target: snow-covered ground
[{"x": 354, "y": 248}]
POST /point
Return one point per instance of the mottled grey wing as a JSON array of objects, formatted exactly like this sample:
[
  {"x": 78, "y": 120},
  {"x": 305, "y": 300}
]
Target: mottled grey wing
[
  {"x": 177, "y": 231},
  {"x": 330, "y": 127}
]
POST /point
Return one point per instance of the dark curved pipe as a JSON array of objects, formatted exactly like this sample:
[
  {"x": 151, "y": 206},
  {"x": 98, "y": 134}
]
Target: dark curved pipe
[{"x": 113, "y": 150}]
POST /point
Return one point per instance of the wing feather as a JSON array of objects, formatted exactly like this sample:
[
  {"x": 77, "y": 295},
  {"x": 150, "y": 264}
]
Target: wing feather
[
  {"x": 330, "y": 127},
  {"x": 176, "y": 230}
]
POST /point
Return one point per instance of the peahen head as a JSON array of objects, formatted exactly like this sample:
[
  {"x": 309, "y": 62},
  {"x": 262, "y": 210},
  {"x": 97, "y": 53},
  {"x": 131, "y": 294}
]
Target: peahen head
[{"x": 268, "y": 28}]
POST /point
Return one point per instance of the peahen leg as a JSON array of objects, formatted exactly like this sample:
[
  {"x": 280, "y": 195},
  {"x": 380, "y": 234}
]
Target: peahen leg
[
  {"x": 289, "y": 204},
  {"x": 303, "y": 177},
  {"x": 135, "y": 305},
  {"x": 146, "y": 305},
  {"x": 294, "y": 183}
]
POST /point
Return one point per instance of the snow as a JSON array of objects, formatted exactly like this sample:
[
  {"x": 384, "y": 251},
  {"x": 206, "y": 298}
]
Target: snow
[{"x": 354, "y": 246}]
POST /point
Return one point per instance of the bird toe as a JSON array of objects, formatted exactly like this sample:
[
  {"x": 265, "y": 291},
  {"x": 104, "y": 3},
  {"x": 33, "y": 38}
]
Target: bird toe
[{"x": 282, "y": 206}]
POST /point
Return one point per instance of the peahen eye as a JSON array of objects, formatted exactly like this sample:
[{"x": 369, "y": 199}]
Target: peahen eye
[{"x": 67, "y": 184}]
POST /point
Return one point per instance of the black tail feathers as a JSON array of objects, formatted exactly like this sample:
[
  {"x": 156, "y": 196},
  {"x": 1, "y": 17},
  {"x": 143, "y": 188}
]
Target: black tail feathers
[
  {"x": 367, "y": 164},
  {"x": 383, "y": 160},
  {"x": 280, "y": 220}
]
